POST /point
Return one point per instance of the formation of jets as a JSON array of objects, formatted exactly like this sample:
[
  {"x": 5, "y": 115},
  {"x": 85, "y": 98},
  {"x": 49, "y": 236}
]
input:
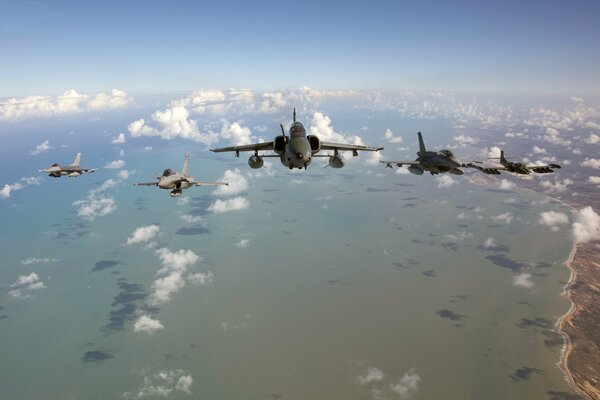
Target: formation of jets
[{"x": 297, "y": 150}]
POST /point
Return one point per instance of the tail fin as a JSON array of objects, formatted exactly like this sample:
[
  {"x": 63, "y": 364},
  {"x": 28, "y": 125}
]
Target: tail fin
[
  {"x": 294, "y": 114},
  {"x": 76, "y": 161},
  {"x": 421, "y": 143},
  {"x": 502, "y": 159},
  {"x": 186, "y": 165}
]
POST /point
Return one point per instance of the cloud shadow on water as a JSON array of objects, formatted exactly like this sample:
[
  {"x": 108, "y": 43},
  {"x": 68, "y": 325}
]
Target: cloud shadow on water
[{"x": 96, "y": 356}]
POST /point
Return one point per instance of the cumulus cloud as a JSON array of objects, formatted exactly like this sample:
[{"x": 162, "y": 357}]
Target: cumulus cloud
[
  {"x": 389, "y": 135},
  {"x": 506, "y": 217},
  {"x": 408, "y": 384},
  {"x": 403, "y": 170},
  {"x": 489, "y": 243},
  {"x": 24, "y": 285},
  {"x": 238, "y": 134},
  {"x": 552, "y": 219},
  {"x": 593, "y": 139},
  {"x": 97, "y": 203},
  {"x": 70, "y": 102},
  {"x": 146, "y": 324},
  {"x": 172, "y": 123},
  {"x": 143, "y": 234},
  {"x": 594, "y": 179},
  {"x": 538, "y": 150},
  {"x": 591, "y": 162},
  {"x": 201, "y": 278},
  {"x": 7, "y": 189},
  {"x": 523, "y": 280},
  {"x": 123, "y": 174},
  {"x": 243, "y": 243},
  {"x": 171, "y": 275},
  {"x": 117, "y": 164},
  {"x": 235, "y": 204},
  {"x": 371, "y": 374},
  {"x": 505, "y": 184},
  {"x": 445, "y": 181},
  {"x": 237, "y": 183},
  {"x": 586, "y": 226},
  {"x": 557, "y": 186},
  {"x": 271, "y": 102},
  {"x": 494, "y": 152},
  {"x": 465, "y": 140},
  {"x": 35, "y": 260},
  {"x": 119, "y": 139},
  {"x": 191, "y": 219},
  {"x": 41, "y": 148},
  {"x": 163, "y": 384}
]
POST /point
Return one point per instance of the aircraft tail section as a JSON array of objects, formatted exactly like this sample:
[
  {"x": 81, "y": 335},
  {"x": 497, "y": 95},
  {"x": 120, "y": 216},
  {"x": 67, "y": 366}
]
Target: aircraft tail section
[
  {"x": 502, "y": 159},
  {"x": 294, "y": 114},
  {"x": 186, "y": 165},
  {"x": 421, "y": 143},
  {"x": 76, "y": 161}
]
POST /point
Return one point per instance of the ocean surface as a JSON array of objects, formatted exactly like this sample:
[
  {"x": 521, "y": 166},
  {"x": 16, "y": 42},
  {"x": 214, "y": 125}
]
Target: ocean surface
[{"x": 333, "y": 284}]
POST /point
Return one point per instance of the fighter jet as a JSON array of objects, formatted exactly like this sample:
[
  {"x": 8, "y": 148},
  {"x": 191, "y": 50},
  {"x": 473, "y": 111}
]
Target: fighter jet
[
  {"x": 517, "y": 168},
  {"x": 176, "y": 181},
  {"x": 72, "y": 170},
  {"x": 296, "y": 150},
  {"x": 434, "y": 162}
]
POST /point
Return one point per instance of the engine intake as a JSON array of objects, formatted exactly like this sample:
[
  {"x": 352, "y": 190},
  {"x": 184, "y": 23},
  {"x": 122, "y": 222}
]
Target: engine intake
[
  {"x": 279, "y": 144},
  {"x": 336, "y": 161},
  {"x": 315, "y": 143},
  {"x": 255, "y": 161}
]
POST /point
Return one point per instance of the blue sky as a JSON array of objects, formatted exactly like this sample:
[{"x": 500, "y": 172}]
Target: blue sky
[{"x": 157, "y": 46}]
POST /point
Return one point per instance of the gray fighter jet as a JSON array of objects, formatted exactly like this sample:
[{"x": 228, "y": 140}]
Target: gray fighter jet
[
  {"x": 296, "y": 150},
  {"x": 176, "y": 181},
  {"x": 514, "y": 167},
  {"x": 72, "y": 170},
  {"x": 434, "y": 162}
]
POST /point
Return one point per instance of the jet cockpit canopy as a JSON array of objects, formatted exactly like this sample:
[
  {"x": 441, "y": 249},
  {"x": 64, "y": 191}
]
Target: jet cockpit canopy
[{"x": 168, "y": 172}]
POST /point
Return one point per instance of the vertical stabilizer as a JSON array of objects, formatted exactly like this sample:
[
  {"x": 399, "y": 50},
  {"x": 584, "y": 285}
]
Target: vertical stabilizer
[
  {"x": 77, "y": 160},
  {"x": 186, "y": 165},
  {"x": 421, "y": 143},
  {"x": 502, "y": 159},
  {"x": 294, "y": 114}
]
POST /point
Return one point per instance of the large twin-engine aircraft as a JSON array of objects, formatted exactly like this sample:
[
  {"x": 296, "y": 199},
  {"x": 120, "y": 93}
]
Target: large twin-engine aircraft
[
  {"x": 296, "y": 150},
  {"x": 432, "y": 161},
  {"x": 72, "y": 170},
  {"x": 176, "y": 181},
  {"x": 514, "y": 167}
]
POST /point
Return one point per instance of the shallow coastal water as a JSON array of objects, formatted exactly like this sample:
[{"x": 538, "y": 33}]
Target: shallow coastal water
[{"x": 345, "y": 272}]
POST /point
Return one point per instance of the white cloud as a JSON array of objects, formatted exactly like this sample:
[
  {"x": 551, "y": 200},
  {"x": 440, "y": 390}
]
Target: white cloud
[
  {"x": 163, "y": 384},
  {"x": 557, "y": 186},
  {"x": 489, "y": 243},
  {"x": 523, "y": 280},
  {"x": 459, "y": 236},
  {"x": 40, "y": 148},
  {"x": 371, "y": 374},
  {"x": 243, "y": 243},
  {"x": 552, "y": 219},
  {"x": 237, "y": 183},
  {"x": 586, "y": 226},
  {"x": 201, "y": 278},
  {"x": 389, "y": 135},
  {"x": 408, "y": 384},
  {"x": 35, "y": 260},
  {"x": 539, "y": 150},
  {"x": 494, "y": 152},
  {"x": 170, "y": 277},
  {"x": 146, "y": 324},
  {"x": 272, "y": 102},
  {"x": 505, "y": 184},
  {"x": 591, "y": 162},
  {"x": 594, "y": 179},
  {"x": 143, "y": 234},
  {"x": 445, "y": 181},
  {"x": 403, "y": 170},
  {"x": 93, "y": 207},
  {"x": 235, "y": 204},
  {"x": 117, "y": 164},
  {"x": 174, "y": 122},
  {"x": 465, "y": 140},
  {"x": 25, "y": 284},
  {"x": 7, "y": 190},
  {"x": 191, "y": 219},
  {"x": 120, "y": 139},
  {"x": 70, "y": 102},
  {"x": 506, "y": 217},
  {"x": 123, "y": 174},
  {"x": 593, "y": 139},
  {"x": 238, "y": 134}
]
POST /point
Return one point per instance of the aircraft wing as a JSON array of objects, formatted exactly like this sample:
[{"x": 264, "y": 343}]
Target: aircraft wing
[
  {"x": 246, "y": 147},
  {"x": 89, "y": 170},
  {"x": 389, "y": 164},
  {"x": 348, "y": 147},
  {"x": 486, "y": 170},
  {"x": 145, "y": 184},
  {"x": 542, "y": 169},
  {"x": 211, "y": 183}
]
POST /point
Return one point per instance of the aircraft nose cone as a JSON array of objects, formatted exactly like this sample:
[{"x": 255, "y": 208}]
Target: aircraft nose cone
[{"x": 300, "y": 156}]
